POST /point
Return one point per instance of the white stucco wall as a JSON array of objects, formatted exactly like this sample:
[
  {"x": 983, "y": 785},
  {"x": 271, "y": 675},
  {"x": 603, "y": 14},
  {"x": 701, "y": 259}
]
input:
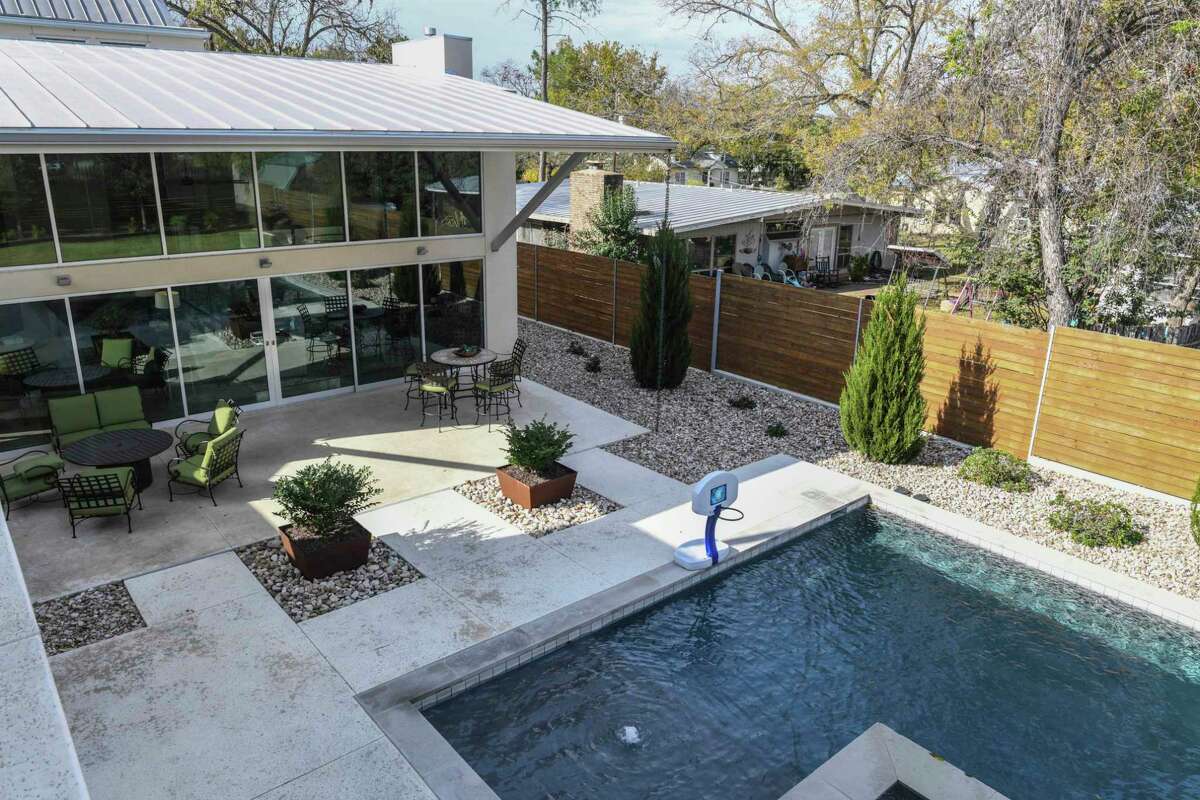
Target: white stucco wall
[{"x": 500, "y": 267}]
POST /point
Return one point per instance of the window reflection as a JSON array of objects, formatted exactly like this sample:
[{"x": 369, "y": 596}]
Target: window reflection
[
  {"x": 104, "y": 205},
  {"x": 454, "y": 304},
  {"x": 312, "y": 319},
  {"x": 387, "y": 324},
  {"x": 301, "y": 196},
  {"x": 382, "y": 189},
  {"x": 207, "y": 201},
  {"x": 25, "y": 234},
  {"x": 450, "y": 193},
  {"x": 36, "y": 362},
  {"x": 221, "y": 344}
]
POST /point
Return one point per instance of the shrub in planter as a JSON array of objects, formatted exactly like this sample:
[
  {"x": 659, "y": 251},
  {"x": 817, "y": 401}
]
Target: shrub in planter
[
  {"x": 743, "y": 402},
  {"x": 1196, "y": 514},
  {"x": 1093, "y": 523},
  {"x": 321, "y": 501},
  {"x": 776, "y": 430},
  {"x": 996, "y": 468},
  {"x": 533, "y": 477}
]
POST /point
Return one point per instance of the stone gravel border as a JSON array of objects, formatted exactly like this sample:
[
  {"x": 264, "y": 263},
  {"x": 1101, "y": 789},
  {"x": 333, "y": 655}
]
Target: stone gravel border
[
  {"x": 87, "y": 617},
  {"x": 582, "y": 506},
  {"x": 304, "y": 599},
  {"x": 688, "y": 445}
]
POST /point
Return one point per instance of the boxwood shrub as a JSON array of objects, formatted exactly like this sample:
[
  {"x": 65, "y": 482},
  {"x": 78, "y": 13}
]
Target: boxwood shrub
[
  {"x": 1093, "y": 523},
  {"x": 1196, "y": 514},
  {"x": 996, "y": 468}
]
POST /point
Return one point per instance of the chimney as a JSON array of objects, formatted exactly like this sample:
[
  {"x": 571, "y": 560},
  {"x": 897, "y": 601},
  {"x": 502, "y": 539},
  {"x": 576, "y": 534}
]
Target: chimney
[
  {"x": 588, "y": 189},
  {"x": 436, "y": 54}
]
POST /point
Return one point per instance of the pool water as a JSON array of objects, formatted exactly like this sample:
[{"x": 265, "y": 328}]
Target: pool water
[{"x": 742, "y": 686}]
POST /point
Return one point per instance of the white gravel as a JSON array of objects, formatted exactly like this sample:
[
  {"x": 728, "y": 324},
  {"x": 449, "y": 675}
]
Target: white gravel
[
  {"x": 304, "y": 599},
  {"x": 92, "y": 615},
  {"x": 582, "y": 506},
  {"x": 688, "y": 445}
]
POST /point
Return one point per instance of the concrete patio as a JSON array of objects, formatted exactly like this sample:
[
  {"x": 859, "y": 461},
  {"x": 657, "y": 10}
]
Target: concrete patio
[{"x": 370, "y": 427}]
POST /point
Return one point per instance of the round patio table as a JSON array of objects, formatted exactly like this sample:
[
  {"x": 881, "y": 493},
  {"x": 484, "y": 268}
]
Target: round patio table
[
  {"x": 65, "y": 378},
  {"x": 449, "y": 357},
  {"x": 131, "y": 448}
]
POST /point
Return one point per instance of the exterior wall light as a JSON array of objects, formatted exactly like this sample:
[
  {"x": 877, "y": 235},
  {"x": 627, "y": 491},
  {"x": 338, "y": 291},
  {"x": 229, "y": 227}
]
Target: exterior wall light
[
  {"x": 264, "y": 263},
  {"x": 62, "y": 280}
]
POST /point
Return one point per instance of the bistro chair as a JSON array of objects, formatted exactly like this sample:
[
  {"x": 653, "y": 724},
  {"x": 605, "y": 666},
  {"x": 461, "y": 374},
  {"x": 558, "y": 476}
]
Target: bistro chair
[
  {"x": 205, "y": 470},
  {"x": 95, "y": 493},
  {"x": 28, "y": 475},
  {"x": 436, "y": 392},
  {"x": 337, "y": 304},
  {"x": 193, "y": 434},
  {"x": 116, "y": 353},
  {"x": 318, "y": 339},
  {"x": 512, "y": 366},
  {"x": 494, "y": 393}
]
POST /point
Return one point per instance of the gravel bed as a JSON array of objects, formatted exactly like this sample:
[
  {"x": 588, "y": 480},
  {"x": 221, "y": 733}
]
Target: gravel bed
[
  {"x": 304, "y": 599},
  {"x": 86, "y": 617},
  {"x": 582, "y": 506},
  {"x": 687, "y": 446}
]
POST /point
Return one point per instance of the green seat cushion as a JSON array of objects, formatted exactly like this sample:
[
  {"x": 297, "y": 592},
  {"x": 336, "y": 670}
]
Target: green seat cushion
[
  {"x": 434, "y": 388},
  {"x": 73, "y": 414},
  {"x": 38, "y": 466},
  {"x": 116, "y": 406},
  {"x": 71, "y": 438},
  {"x": 89, "y": 507},
  {"x": 116, "y": 353},
  {"x": 17, "y": 487},
  {"x": 489, "y": 386},
  {"x": 190, "y": 471},
  {"x": 140, "y": 424},
  {"x": 193, "y": 442}
]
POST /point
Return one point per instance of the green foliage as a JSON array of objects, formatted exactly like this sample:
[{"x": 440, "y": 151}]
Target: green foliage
[
  {"x": 997, "y": 468},
  {"x": 610, "y": 231},
  {"x": 1017, "y": 273},
  {"x": 592, "y": 364},
  {"x": 538, "y": 445},
  {"x": 604, "y": 78},
  {"x": 858, "y": 267},
  {"x": 323, "y": 498},
  {"x": 776, "y": 430},
  {"x": 743, "y": 402},
  {"x": 882, "y": 410},
  {"x": 1196, "y": 514},
  {"x": 1094, "y": 524},
  {"x": 667, "y": 269}
]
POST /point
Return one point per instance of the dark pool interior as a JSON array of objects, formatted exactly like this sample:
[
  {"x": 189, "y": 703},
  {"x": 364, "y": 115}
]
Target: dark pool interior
[{"x": 741, "y": 687}]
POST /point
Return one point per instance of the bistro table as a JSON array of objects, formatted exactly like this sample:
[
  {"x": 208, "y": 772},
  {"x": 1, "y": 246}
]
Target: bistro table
[
  {"x": 449, "y": 357},
  {"x": 130, "y": 448},
  {"x": 65, "y": 378}
]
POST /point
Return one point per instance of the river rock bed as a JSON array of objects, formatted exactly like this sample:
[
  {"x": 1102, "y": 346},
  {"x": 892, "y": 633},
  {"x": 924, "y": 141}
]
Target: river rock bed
[
  {"x": 86, "y": 617},
  {"x": 582, "y": 506}
]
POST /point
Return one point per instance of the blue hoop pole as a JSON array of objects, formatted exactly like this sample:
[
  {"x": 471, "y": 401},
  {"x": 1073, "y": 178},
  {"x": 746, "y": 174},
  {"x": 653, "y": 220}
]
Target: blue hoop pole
[{"x": 710, "y": 535}]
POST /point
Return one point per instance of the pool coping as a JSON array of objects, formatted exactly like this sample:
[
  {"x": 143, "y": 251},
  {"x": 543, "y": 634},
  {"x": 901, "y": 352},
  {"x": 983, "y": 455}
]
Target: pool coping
[{"x": 396, "y": 705}]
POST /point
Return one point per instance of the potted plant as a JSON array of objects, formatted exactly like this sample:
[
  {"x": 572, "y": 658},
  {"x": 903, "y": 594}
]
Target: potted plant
[
  {"x": 533, "y": 477},
  {"x": 321, "y": 501}
]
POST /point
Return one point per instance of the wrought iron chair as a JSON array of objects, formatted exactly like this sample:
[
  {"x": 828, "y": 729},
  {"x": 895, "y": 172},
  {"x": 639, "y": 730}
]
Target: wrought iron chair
[
  {"x": 436, "y": 392},
  {"x": 190, "y": 437},
  {"x": 96, "y": 493},
  {"x": 213, "y": 465},
  {"x": 29, "y": 475},
  {"x": 494, "y": 393},
  {"x": 318, "y": 339}
]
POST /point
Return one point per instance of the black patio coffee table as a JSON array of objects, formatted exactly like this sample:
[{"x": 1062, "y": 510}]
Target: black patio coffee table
[{"x": 131, "y": 448}]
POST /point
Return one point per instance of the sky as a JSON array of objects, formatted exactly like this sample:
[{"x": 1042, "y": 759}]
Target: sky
[{"x": 500, "y": 34}]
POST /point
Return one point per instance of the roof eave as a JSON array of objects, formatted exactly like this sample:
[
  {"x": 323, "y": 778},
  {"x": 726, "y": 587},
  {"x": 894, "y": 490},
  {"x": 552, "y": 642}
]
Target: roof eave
[{"x": 105, "y": 27}]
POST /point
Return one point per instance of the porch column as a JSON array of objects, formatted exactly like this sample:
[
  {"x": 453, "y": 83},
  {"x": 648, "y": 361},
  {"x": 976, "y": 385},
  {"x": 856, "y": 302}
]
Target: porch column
[{"x": 500, "y": 267}]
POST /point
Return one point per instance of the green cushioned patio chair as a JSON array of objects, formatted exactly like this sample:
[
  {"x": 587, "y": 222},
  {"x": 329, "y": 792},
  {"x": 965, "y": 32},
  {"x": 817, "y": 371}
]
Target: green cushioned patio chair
[
  {"x": 494, "y": 394},
  {"x": 96, "y": 493},
  {"x": 216, "y": 463},
  {"x": 72, "y": 418},
  {"x": 192, "y": 434},
  {"x": 120, "y": 409},
  {"x": 116, "y": 353},
  {"x": 28, "y": 475}
]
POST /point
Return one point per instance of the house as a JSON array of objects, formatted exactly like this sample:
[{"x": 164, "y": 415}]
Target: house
[
  {"x": 706, "y": 167},
  {"x": 212, "y": 225},
  {"x": 127, "y": 23},
  {"x": 729, "y": 226}
]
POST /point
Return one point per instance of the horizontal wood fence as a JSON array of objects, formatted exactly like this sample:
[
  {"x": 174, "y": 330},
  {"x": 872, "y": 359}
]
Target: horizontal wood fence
[{"x": 1124, "y": 408}]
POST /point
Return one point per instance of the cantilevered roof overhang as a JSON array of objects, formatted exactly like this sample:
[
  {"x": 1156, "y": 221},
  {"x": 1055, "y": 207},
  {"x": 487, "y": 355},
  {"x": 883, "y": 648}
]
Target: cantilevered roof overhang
[{"x": 55, "y": 95}]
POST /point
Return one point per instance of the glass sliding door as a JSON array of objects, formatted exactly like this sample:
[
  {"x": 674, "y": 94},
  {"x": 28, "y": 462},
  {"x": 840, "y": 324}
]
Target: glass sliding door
[
  {"x": 36, "y": 362},
  {"x": 453, "y": 304},
  {"x": 221, "y": 344},
  {"x": 125, "y": 339},
  {"x": 312, "y": 324},
  {"x": 387, "y": 323}
]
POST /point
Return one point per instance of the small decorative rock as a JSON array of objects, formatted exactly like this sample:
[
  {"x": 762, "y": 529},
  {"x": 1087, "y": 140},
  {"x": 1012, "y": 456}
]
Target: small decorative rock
[
  {"x": 86, "y": 617},
  {"x": 304, "y": 599},
  {"x": 582, "y": 506}
]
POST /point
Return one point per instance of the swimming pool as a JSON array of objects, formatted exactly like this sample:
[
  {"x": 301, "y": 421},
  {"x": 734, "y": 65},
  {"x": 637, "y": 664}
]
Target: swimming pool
[{"x": 742, "y": 686}]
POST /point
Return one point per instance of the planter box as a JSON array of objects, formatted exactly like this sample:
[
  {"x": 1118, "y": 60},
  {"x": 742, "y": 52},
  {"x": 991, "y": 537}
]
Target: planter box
[
  {"x": 320, "y": 558},
  {"x": 541, "y": 493}
]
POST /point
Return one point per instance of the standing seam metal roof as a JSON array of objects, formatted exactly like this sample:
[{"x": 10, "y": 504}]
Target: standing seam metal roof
[{"x": 127, "y": 12}]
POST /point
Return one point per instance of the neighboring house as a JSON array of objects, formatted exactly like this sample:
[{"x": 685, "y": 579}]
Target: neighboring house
[
  {"x": 217, "y": 212},
  {"x": 706, "y": 167},
  {"x": 736, "y": 226},
  {"x": 123, "y": 23},
  {"x": 955, "y": 205}
]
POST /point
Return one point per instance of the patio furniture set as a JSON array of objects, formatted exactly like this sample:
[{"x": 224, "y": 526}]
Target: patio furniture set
[
  {"x": 491, "y": 382},
  {"x": 794, "y": 271},
  {"x": 107, "y": 433}
]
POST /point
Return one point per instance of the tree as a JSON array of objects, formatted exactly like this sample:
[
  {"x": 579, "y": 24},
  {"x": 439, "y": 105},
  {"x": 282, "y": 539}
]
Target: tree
[
  {"x": 665, "y": 287},
  {"x": 606, "y": 79},
  {"x": 343, "y": 29},
  {"x": 882, "y": 410},
  {"x": 610, "y": 231}
]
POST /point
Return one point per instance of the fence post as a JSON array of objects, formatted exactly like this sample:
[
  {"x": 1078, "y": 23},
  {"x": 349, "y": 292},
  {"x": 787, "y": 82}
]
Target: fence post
[
  {"x": 716, "y": 322},
  {"x": 537, "y": 250},
  {"x": 614, "y": 302},
  {"x": 857, "y": 329},
  {"x": 1037, "y": 413}
]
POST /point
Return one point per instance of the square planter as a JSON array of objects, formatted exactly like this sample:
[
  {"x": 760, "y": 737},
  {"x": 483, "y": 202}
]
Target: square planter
[
  {"x": 320, "y": 558},
  {"x": 543, "y": 492}
]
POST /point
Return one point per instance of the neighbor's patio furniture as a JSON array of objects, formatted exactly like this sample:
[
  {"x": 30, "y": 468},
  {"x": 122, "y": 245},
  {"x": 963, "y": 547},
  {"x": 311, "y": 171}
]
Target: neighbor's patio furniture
[
  {"x": 215, "y": 464},
  {"x": 494, "y": 393},
  {"x": 95, "y": 493},
  {"x": 189, "y": 442},
  {"x": 80, "y": 416},
  {"x": 132, "y": 448},
  {"x": 823, "y": 272},
  {"x": 29, "y": 474}
]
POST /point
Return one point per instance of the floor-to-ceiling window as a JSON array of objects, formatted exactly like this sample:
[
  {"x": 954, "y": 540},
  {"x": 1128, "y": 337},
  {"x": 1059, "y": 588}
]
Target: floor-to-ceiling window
[
  {"x": 125, "y": 339},
  {"x": 25, "y": 234},
  {"x": 312, "y": 323},
  {"x": 382, "y": 190},
  {"x": 207, "y": 201},
  {"x": 104, "y": 205},
  {"x": 453, "y": 304},
  {"x": 301, "y": 198},
  {"x": 36, "y": 362},
  {"x": 451, "y": 185},
  {"x": 387, "y": 323},
  {"x": 222, "y": 345}
]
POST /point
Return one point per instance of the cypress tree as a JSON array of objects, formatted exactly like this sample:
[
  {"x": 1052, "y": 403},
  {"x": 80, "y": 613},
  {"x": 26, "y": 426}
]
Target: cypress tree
[
  {"x": 882, "y": 410},
  {"x": 666, "y": 258}
]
